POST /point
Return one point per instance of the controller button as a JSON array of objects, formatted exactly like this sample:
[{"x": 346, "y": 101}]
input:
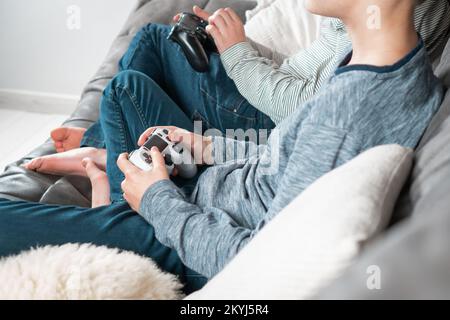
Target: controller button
[
  {"x": 166, "y": 131},
  {"x": 168, "y": 159},
  {"x": 177, "y": 148}
]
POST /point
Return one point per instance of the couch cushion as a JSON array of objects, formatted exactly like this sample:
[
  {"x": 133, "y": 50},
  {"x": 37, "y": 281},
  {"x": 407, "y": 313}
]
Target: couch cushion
[
  {"x": 430, "y": 180},
  {"x": 443, "y": 69},
  {"x": 312, "y": 240},
  {"x": 412, "y": 261},
  {"x": 240, "y": 6},
  {"x": 284, "y": 26}
]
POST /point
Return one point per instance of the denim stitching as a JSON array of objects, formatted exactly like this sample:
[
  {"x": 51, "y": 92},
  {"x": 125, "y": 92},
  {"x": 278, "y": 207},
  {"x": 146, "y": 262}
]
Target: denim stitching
[
  {"x": 137, "y": 107},
  {"x": 237, "y": 107},
  {"x": 119, "y": 120},
  {"x": 92, "y": 142},
  {"x": 196, "y": 115}
]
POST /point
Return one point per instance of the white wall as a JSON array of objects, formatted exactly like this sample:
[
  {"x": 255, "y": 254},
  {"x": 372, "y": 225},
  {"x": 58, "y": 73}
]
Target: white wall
[{"x": 39, "y": 52}]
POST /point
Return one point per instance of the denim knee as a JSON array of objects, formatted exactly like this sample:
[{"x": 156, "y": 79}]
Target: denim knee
[
  {"x": 124, "y": 81},
  {"x": 151, "y": 34},
  {"x": 127, "y": 93}
]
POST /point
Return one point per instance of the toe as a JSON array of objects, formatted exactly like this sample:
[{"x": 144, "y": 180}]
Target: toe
[
  {"x": 67, "y": 138},
  {"x": 34, "y": 164},
  {"x": 92, "y": 171},
  {"x": 87, "y": 163},
  {"x": 26, "y": 165},
  {"x": 59, "y": 146},
  {"x": 59, "y": 134}
]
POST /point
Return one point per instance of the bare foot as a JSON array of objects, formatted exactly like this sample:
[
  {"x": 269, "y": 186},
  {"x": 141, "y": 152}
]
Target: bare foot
[
  {"x": 68, "y": 162},
  {"x": 100, "y": 183},
  {"x": 65, "y": 138}
]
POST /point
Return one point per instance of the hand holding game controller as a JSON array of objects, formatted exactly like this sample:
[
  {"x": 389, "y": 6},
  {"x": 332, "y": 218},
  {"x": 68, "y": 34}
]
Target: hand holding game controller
[
  {"x": 199, "y": 146},
  {"x": 174, "y": 154},
  {"x": 226, "y": 28},
  {"x": 201, "y": 33},
  {"x": 190, "y": 33},
  {"x": 136, "y": 182}
]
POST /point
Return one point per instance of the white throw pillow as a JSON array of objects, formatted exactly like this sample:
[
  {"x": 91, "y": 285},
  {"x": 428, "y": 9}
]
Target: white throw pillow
[
  {"x": 260, "y": 4},
  {"x": 284, "y": 25},
  {"x": 317, "y": 236}
]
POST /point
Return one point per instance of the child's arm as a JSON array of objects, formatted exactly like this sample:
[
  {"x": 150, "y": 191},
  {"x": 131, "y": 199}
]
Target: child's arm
[
  {"x": 275, "y": 86},
  {"x": 268, "y": 53}
]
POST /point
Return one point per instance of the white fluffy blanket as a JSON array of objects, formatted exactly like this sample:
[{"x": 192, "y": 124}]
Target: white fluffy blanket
[{"x": 74, "y": 271}]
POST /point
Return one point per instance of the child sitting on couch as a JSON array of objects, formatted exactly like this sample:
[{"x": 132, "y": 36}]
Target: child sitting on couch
[
  {"x": 272, "y": 86},
  {"x": 383, "y": 92}
]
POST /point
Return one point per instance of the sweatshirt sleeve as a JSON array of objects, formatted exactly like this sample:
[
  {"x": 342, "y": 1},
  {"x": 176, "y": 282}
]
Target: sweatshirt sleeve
[
  {"x": 226, "y": 149},
  {"x": 204, "y": 238}
]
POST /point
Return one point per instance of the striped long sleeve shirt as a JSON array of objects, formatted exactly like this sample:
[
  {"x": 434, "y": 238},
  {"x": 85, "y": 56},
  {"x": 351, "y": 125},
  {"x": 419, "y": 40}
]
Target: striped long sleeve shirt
[{"x": 276, "y": 85}]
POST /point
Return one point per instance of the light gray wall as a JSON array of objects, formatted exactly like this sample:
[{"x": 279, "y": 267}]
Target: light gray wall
[{"x": 39, "y": 52}]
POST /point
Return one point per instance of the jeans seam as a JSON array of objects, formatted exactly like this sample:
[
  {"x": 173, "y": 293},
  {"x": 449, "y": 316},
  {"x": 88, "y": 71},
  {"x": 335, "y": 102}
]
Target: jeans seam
[
  {"x": 136, "y": 105},
  {"x": 210, "y": 96},
  {"x": 202, "y": 118},
  {"x": 119, "y": 119}
]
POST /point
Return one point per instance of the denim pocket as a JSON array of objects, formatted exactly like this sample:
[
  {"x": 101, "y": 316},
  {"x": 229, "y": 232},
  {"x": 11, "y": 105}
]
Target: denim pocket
[
  {"x": 240, "y": 109},
  {"x": 233, "y": 119},
  {"x": 232, "y": 111},
  {"x": 233, "y": 103}
]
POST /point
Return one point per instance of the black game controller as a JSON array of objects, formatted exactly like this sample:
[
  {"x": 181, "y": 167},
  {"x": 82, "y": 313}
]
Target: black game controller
[{"x": 190, "y": 33}]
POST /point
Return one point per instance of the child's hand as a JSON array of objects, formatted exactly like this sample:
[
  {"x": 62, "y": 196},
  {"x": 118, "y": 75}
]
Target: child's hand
[
  {"x": 225, "y": 27},
  {"x": 137, "y": 181},
  {"x": 199, "y": 146}
]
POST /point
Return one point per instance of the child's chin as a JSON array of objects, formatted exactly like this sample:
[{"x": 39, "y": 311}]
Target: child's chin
[{"x": 321, "y": 7}]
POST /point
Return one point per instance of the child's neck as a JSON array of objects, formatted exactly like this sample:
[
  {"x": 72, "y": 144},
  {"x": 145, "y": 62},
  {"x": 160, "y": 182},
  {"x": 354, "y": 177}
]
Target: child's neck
[{"x": 384, "y": 46}]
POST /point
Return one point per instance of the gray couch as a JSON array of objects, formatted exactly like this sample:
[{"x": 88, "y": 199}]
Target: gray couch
[{"x": 413, "y": 254}]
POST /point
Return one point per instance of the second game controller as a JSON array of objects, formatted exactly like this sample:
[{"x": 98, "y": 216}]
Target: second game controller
[
  {"x": 190, "y": 33},
  {"x": 174, "y": 154}
]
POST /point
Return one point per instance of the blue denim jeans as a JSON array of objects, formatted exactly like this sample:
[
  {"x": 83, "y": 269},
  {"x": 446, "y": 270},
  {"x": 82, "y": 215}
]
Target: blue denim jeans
[
  {"x": 210, "y": 97},
  {"x": 124, "y": 115},
  {"x": 25, "y": 225}
]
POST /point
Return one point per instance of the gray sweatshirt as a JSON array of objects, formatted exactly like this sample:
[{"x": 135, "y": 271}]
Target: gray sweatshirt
[{"x": 358, "y": 108}]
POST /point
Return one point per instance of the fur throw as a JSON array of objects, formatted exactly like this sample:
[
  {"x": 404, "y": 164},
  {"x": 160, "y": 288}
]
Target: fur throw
[{"x": 75, "y": 271}]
